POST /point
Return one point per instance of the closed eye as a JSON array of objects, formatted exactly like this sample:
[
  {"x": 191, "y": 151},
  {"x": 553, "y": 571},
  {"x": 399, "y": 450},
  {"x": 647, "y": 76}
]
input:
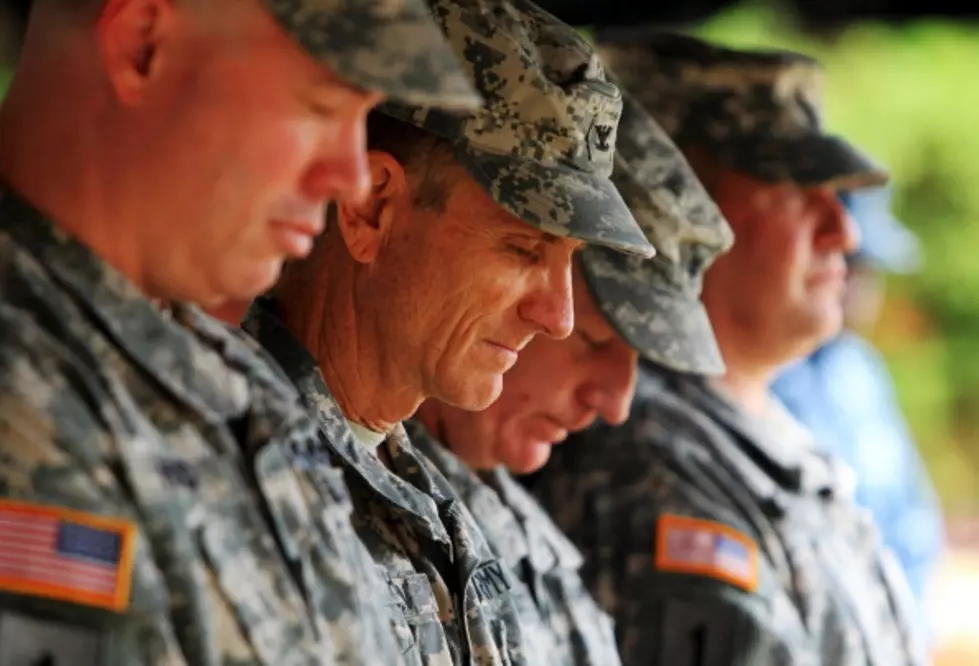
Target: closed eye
[{"x": 526, "y": 253}]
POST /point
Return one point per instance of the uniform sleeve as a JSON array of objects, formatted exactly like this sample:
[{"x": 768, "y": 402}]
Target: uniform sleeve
[
  {"x": 688, "y": 619},
  {"x": 679, "y": 570},
  {"x": 77, "y": 585}
]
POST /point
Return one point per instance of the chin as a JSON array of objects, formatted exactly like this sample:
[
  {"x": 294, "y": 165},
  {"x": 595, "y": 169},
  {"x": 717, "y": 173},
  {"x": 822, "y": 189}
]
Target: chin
[
  {"x": 830, "y": 323},
  {"x": 527, "y": 458},
  {"x": 248, "y": 283},
  {"x": 818, "y": 329},
  {"x": 472, "y": 393}
]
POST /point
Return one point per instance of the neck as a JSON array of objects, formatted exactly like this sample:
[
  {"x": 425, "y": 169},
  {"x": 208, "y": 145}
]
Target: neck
[
  {"x": 58, "y": 162},
  {"x": 338, "y": 327},
  {"x": 429, "y": 414},
  {"x": 748, "y": 390},
  {"x": 231, "y": 313},
  {"x": 749, "y": 371}
]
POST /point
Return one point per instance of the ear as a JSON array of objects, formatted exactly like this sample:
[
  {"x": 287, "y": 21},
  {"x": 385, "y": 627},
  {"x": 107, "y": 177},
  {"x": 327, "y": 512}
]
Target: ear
[
  {"x": 365, "y": 225},
  {"x": 130, "y": 34}
]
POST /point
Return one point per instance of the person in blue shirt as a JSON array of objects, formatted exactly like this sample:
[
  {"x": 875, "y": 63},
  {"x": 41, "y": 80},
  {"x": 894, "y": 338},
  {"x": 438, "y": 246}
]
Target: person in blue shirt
[{"x": 844, "y": 394}]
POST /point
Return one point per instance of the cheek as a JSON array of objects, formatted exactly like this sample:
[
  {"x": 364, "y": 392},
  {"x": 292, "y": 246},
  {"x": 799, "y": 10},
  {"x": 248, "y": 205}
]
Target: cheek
[
  {"x": 761, "y": 264},
  {"x": 548, "y": 364},
  {"x": 482, "y": 304},
  {"x": 277, "y": 154},
  {"x": 264, "y": 130}
]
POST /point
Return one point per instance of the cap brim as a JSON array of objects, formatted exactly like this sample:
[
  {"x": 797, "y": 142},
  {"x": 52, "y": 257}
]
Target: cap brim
[
  {"x": 665, "y": 322},
  {"x": 809, "y": 160},
  {"x": 399, "y": 52},
  {"x": 559, "y": 200}
]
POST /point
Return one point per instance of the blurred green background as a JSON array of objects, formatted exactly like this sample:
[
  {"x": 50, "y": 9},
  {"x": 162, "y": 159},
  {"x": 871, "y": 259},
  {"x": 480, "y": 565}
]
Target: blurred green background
[{"x": 910, "y": 95}]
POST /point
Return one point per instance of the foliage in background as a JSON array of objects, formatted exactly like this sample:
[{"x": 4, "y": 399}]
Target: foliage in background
[{"x": 910, "y": 96}]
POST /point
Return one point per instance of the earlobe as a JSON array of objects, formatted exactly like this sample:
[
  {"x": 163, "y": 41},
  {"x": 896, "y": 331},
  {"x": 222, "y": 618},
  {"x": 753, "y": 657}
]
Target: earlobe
[
  {"x": 365, "y": 225},
  {"x": 129, "y": 34}
]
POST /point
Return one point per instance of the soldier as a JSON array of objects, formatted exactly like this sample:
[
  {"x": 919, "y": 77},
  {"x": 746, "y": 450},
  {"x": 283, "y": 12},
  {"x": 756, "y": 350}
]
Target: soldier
[
  {"x": 558, "y": 386},
  {"x": 714, "y": 529},
  {"x": 845, "y": 395},
  {"x": 431, "y": 288},
  {"x": 156, "y": 154}
]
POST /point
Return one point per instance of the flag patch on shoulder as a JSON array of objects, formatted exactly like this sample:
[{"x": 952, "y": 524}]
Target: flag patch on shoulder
[
  {"x": 68, "y": 555},
  {"x": 706, "y": 548}
]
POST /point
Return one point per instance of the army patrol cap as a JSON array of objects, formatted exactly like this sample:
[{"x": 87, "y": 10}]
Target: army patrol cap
[
  {"x": 390, "y": 46},
  {"x": 655, "y": 304},
  {"x": 757, "y": 112},
  {"x": 542, "y": 146}
]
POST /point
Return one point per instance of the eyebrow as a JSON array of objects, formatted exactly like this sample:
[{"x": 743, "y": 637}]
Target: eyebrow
[
  {"x": 548, "y": 238},
  {"x": 551, "y": 239}
]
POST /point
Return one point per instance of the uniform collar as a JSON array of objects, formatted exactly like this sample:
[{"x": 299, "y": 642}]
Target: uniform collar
[
  {"x": 408, "y": 486},
  {"x": 167, "y": 345}
]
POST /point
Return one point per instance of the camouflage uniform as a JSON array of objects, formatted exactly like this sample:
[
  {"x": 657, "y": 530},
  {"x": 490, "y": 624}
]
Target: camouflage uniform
[
  {"x": 792, "y": 571},
  {"x": 566, "y": 623},
  {"x": 151, "y": 508},
  {"x": 450, "y": 599},
  {"x": 665, "y": 197},
  {"x": 714, "y": 537},
  {"x": 542, "y": 148},
  {"x": 175, "y": 425}
]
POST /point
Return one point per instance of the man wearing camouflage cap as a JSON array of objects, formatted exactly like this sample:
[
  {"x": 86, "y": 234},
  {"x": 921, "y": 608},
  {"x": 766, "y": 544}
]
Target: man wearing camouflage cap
[
  {"x": 156, "y": 155},
  {"x": 844, "y": 394},
  {"x": 560, "y": 386},
  {"x": 431, "y": 288},
  {"x": 714, "y": 529}
]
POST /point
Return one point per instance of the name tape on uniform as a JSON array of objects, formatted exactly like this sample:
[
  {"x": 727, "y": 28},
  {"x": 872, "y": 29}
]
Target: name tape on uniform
[
  {"x": 68, "y": 555},
  {"x": 706, "y": 548}
]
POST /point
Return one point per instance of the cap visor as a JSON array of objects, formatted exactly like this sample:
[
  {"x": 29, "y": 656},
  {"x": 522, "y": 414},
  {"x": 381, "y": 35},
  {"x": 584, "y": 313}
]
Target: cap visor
[
  {"x": 559, "y": 200},
  {"x": 809, "y": 160},
  {"x": 665, "y": 322}
]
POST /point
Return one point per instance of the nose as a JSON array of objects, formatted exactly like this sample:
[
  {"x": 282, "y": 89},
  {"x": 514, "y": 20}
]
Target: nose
[
  {"x": 550, "y": 308},
  {"x": 838, "y": 230},
  {"x": 612, "y": 385},
  {"x": 341, "y": 170}
]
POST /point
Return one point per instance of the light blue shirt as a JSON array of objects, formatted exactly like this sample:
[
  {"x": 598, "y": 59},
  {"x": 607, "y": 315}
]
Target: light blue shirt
[{"x": 844, "y": 394}]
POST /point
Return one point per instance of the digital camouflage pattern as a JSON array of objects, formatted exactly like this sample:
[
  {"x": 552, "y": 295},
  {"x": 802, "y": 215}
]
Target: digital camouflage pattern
[
  {"x": 181, "y": 426},
  {"x": 843, "y": 393},
  {"x": 826, "y": 592},
  {"x": 567, "y": 626},
  {"x": 759, "y": 112},
  {"x": 391, "y": 46},
  {"x": 654, "y": 304},
  {"x": 451, "y": 598},
  {"x": 542, "y": 145}
]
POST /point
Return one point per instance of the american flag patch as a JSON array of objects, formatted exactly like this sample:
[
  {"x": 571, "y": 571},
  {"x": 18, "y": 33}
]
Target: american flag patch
[
  {"x": 63, "y": 554},
  {"x": 705, "y": 548}
]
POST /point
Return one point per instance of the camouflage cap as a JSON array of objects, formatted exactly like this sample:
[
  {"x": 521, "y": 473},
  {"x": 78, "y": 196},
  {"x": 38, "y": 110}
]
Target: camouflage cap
[
  {"x": 655, "y": 303},
  {"x": 542, "y": 146},
  {"x": 755, "y": 111},
  {"x": 391, "y": 46}
]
